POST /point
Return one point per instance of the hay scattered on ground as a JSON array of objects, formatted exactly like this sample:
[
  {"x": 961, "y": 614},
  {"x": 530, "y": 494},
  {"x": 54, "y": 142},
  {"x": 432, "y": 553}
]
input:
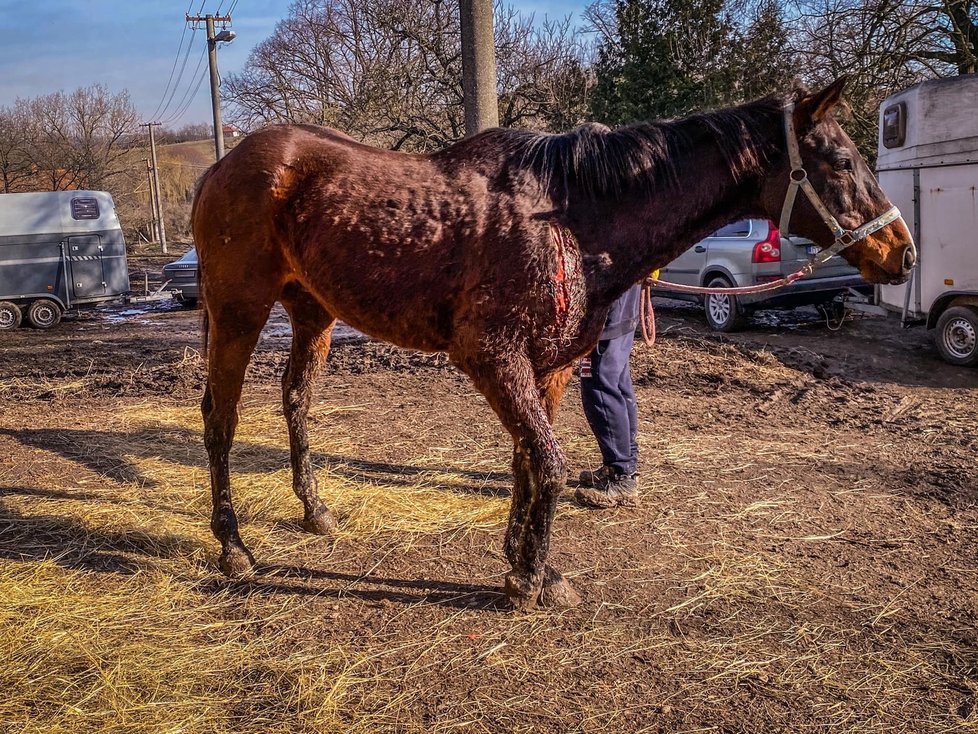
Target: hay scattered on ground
[{"x": 734, "y": 612}]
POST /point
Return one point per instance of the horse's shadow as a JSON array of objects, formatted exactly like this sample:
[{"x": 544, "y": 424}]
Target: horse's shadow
[
  {"x": 296, "y": 580},
  {"x": 115, "y": 455},
  {"x": 71, "y": 544}
]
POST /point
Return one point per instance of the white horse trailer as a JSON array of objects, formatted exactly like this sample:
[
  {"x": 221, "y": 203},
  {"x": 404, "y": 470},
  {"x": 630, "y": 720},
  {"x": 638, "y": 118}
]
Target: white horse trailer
[{"x": 928, "y": 166}]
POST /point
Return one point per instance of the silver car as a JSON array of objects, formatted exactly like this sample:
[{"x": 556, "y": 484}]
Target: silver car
[
  {"x": 750, "y": 252},
  {"x": 182, "y": 276}
]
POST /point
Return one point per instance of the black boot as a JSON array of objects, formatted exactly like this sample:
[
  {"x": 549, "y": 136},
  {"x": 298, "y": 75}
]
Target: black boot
[{"x": 607, "y": 488}]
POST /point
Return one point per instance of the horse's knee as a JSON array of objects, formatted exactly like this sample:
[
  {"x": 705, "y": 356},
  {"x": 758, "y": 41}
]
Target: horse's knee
[{"x": 552, "y": 471}]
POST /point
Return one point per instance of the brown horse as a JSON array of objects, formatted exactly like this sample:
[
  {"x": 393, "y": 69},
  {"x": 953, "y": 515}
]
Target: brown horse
[{"x": 469, "y": 251}]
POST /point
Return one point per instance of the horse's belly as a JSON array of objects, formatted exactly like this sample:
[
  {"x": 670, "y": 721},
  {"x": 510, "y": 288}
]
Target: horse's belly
[{"x": 405, "y": 301}]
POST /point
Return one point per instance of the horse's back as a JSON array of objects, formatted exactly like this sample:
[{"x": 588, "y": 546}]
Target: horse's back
[{"x": 374, "y": 235}]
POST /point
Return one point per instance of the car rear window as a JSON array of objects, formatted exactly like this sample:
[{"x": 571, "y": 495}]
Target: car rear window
[{"x": 736, "y": 229}]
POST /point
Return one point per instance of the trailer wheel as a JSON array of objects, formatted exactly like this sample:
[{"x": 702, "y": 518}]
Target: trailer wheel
[
  {"x": 43, "y": 313},
  {"x": 957, "y": 336},
  {"x": 10, "y": 315}
]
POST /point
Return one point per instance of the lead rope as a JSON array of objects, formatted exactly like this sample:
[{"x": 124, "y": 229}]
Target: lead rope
[
  {"x": 646, "y": 312},
  {"x": 740, "y": 291}
]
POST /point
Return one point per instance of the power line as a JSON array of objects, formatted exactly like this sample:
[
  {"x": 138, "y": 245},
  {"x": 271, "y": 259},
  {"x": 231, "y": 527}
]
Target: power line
[
  {"x": 188, "y": 96},
  {"x": 190, "y": 100},
  {"x": 183, "y": 68},
  {"x": 173, "y": 68}
]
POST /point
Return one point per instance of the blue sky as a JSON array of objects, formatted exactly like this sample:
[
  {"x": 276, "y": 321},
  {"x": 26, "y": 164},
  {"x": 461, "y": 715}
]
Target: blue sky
[{"x": 51, "y": 45}]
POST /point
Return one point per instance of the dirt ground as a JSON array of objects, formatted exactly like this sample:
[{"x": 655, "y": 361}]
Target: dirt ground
[{"x": 804, "y": 559}]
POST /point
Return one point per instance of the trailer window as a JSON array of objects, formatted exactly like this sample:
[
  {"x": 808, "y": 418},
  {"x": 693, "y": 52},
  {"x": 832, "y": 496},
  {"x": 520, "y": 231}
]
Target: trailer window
[
  {"x": 84, "y": 208},
  {"x": 895, "y": 125}
]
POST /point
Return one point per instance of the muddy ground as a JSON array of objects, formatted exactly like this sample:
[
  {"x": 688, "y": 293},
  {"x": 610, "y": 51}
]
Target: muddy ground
[{"x": 805, "y": 557}]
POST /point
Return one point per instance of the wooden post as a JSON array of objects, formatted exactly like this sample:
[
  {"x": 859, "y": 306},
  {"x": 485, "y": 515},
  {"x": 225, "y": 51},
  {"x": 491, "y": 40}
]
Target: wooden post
[{"x": 478, "y": 66}]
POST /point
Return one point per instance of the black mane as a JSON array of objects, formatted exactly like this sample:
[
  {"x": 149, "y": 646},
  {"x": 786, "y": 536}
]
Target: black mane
[{"x": 598, "y": 161}]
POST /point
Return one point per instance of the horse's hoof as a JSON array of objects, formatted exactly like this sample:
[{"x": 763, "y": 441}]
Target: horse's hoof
[
  {"x": 557, "y": 591},
  {"x": 521, "y": 592},
  {"x": 322, "y": 523},
  {"x": 235, "y": 561}
]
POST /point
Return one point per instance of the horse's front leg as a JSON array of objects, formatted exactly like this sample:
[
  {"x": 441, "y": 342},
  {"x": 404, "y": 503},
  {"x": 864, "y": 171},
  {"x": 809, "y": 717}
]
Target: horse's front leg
[{"x": 539, "y": 474}]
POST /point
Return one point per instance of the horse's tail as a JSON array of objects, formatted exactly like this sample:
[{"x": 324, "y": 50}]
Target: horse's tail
[
  {"x": 201, "y": 296},
  {"x": 205, "y": 321}
]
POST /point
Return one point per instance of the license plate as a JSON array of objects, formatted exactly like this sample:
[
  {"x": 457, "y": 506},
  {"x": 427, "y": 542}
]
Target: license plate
[{"x": 811, "y": 249}]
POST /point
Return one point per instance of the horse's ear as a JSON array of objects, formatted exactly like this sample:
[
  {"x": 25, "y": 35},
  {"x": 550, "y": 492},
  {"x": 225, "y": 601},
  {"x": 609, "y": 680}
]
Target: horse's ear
[{"x": 823, "y": 103}]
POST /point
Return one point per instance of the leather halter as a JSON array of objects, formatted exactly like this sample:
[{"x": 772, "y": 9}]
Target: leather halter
[{"x": 798, "y": 179}]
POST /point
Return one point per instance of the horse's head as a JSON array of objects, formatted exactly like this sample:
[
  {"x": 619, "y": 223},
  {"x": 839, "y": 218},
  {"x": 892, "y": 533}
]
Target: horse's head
[{"x": 854, "y": 208}]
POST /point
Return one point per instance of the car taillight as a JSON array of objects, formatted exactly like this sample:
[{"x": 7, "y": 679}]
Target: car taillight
[{"x": 768, "y": 250}]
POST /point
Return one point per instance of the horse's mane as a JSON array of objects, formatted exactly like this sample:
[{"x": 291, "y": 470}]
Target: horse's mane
[{"x": 599, "y": 161}]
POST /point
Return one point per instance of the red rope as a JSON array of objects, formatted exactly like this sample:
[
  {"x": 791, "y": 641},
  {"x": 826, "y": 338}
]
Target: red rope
[
  {"x": 646, "y": 313},
  {"x": 741, "y": 291}
]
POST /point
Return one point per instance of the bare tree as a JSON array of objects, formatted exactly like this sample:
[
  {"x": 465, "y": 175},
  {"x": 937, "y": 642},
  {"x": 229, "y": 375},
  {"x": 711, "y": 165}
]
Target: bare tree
[
  {"x": 389, "y": 72},
  {"x": 883, "y": 46},
  {"x": 543, "y": 71},
  {"x": 16, "y": 169},
  {"x": 80, "y": 140}
]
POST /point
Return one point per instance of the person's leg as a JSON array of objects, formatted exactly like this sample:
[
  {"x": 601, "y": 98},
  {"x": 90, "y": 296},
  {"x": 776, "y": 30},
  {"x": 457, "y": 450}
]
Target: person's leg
[
  {"x": 605, "y": 407},
  {"x": 628, "y": 393}
]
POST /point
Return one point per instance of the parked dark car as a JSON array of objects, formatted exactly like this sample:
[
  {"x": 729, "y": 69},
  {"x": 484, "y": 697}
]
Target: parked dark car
[
  {"x": 750, "y": 252},
  {"x": 182, "y": 276}
]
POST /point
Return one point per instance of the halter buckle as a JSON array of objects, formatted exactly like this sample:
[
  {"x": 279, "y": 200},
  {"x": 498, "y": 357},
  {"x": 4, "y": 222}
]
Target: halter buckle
[
  {"x": 846, "y": 239},
  {"x": 801, "y": 176}
]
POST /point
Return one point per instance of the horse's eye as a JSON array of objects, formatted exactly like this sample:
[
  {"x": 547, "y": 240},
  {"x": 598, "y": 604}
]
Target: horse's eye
[{"x": 844, "y": 164}]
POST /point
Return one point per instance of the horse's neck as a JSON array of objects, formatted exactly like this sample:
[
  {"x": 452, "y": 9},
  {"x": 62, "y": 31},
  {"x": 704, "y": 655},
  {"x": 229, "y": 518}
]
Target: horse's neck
[{"x": 635, "y": 235}]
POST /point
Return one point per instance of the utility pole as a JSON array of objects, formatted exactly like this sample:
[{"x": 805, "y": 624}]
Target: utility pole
[
  {"x": 154, "y": 232},
  {"x": 212, "y": 41},
  {"x": 478, "y": 66},
  {"x": 156, "y": 179}
]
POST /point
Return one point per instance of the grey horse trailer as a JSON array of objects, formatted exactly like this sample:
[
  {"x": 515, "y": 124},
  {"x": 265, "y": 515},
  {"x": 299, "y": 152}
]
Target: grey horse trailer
[
  {"x": 59, "y": 250},
  {"x": 928, "y": 166}
]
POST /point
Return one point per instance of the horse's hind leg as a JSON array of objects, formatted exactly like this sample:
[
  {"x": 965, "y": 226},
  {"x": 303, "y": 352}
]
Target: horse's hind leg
[
  {"x": 551, "y": 387},
  {"x": 312, "y": 327},
  {"x": 233, "y": 330}
]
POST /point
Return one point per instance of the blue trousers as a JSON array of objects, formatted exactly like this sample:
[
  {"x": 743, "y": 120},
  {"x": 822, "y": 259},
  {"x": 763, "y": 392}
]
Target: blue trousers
[{"x": 609, "y": 402}]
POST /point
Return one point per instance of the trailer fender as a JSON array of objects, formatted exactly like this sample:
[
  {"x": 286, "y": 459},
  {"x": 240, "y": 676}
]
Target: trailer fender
[
  {"x": 952, "y": 298},
  {"x": 26, "y": 298}
]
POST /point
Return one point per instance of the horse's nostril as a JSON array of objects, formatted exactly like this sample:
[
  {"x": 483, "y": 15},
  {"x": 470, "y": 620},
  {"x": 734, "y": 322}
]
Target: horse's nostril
[{"x": 909, "y": 258}]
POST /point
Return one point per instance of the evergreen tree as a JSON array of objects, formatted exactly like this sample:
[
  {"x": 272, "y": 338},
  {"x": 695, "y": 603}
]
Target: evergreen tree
[{"x": 670, "y": 58}]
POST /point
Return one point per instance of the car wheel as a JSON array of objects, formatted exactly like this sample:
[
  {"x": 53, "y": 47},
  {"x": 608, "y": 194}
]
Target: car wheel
[
  {"x": 957, "y": 336},
  {"x": 43, "y": 313},
  {"x": 10, "y": 315},
  {"x": 723, "y": 312}
]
